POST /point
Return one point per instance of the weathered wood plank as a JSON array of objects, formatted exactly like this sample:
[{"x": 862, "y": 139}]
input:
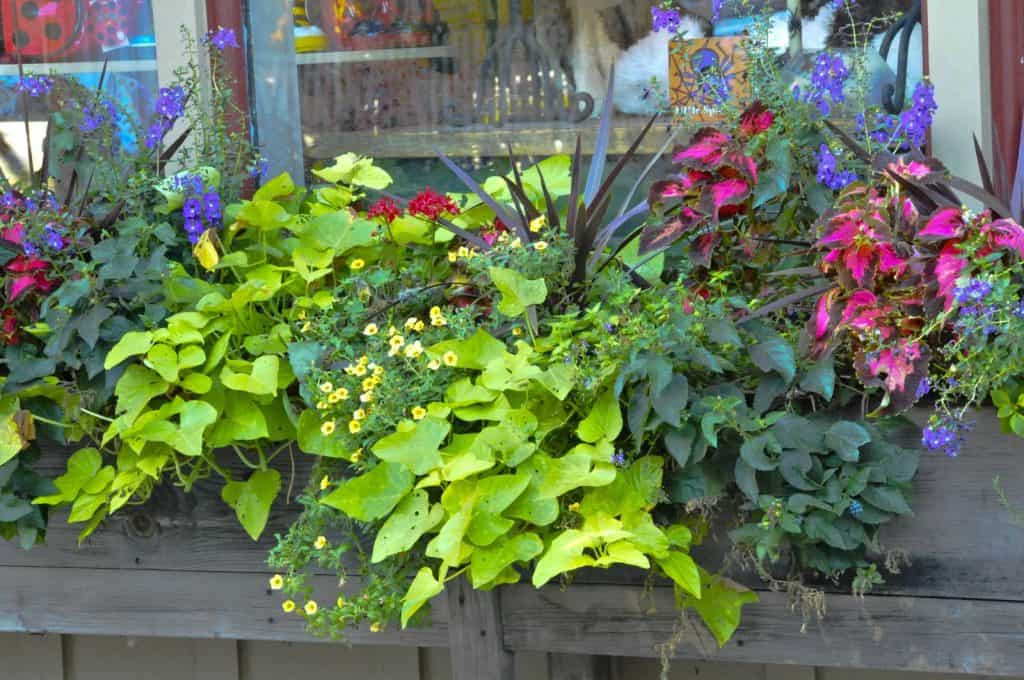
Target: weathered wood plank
[
  {"x": 31, "y": 657},
  {"x": 475, "y": 633},
  {"x": 94, "y": 657},
  {"x": 579, "y": 667},
  {"x": 877, "y": 632},
  {"x": 172, "y": 604},
  {"x": 284, "y": 660}
]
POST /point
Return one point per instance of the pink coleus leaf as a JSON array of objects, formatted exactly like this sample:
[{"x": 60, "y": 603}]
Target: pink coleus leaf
[
  {"x": 857, "y": 261},
  {"x": 948, "y": 267},
  {"x": 889, "y": 261},
  {"x": 843, "y": 229},
  {"x": 727, "y": 192},
  {"x": 899, "y": 369},
  {"x": 703, "y": 248},
  {"x": 14, "y": 233},
  {"x": 706, "y": 149},
  {"x": 24, "y": 265},
  {"x": 1008, "y": 234},
  {"x": 756, "y": 119},
  {"x": 22, "y": 284},
  {"x": 944, "y": 223},
  {"x": 658, "y": 236}
]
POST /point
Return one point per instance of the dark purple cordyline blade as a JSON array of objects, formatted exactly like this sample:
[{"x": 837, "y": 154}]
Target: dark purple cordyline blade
[
  {"x": 472, "y": 185},
  {"x": 459, "y": 231},
  {"x": 596, "y": 172},
  {"x": 986, "y": 176},
  {"x": 574, "y": 191},
  {"x": 549, "y": 203},
  {"x": 605, "y": 236}
]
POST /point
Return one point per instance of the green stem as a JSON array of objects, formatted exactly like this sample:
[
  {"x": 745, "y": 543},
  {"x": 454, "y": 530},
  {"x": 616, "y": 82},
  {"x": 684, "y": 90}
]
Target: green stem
[
  {"x": 96, "y": 415},
  {"x": 245, "y": 460}
]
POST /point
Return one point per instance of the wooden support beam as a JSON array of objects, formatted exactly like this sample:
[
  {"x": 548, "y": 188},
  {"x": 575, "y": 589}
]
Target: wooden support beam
[
  {"x": 579, "y": 667},
  {"x": 475, "y": 634}
]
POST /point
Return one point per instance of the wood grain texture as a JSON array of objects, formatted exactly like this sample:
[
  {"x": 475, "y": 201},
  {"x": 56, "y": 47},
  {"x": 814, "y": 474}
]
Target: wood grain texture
[
  {"x": 172, "y": 604},
  {"x": 308, "y": 661},
  {"x": 921, "y": 634},
  {"x": 94, "y": 657},
  {"x": 31, "y": 657},
  {"x": 579, "y": 667},
  {"x": 476, "y": 638}
]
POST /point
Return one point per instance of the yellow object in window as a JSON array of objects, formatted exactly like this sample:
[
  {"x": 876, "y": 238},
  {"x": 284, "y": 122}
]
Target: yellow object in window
[{"x": 308, "y": 37}]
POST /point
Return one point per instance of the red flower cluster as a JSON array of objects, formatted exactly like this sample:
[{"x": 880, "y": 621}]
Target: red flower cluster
[
  {"x": 715, "y": 180},
  {"x": 386, "y": 209},
  {"x": 430, "y": 204},
  {"x": 24, "y": 277}
]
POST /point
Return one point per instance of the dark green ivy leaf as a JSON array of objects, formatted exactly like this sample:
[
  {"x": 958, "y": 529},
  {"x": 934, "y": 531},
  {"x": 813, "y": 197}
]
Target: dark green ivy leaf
[
  {"x": 775, "y": 354},
  {"x": 846, "y": 438},
  {"x": 886, "y": 498},
  {"x": 671, "y": 401},
  {"x": 820, "y": 378}
]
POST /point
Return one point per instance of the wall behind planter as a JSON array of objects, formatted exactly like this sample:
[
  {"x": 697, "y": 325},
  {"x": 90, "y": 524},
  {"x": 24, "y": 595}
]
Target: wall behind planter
[{"x": 85, "y": 657}]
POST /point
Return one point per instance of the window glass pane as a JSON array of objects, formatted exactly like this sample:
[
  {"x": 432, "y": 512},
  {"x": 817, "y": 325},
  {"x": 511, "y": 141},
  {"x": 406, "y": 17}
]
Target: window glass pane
[{"x": 53, "y": 50}]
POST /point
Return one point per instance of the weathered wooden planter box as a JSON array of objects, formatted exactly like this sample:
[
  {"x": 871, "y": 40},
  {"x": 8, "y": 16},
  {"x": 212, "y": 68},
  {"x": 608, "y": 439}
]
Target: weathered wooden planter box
[{"x": 182, "y": 567}]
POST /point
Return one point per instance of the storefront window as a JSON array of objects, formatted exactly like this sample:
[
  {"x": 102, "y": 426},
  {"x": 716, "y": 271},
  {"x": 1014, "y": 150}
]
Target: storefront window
[{"x": 52, "y": 50}]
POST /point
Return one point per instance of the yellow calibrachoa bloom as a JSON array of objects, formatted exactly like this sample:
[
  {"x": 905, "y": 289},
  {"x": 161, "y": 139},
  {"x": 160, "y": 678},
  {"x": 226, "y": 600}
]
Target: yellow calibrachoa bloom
[
  {"x": 333, "y": 397},
  {"x": 438, "y": 321},
  {"x": 371, "y": 329},
  {"x": 305, "y": 328},
  {"x": 327, "y": 429},
  {"x": 419, "y": 326},
  {"x": 433, "y": 364},
  {"x": 517, "y": 243},
  {"x": 366, "y": 398},
  {"x": 364, "y": 360},
  {"x": 541, "y": 245},
  {"x": 341, "y": 601},
  {"x": 359, "y": 414},
  {"x": 517, "y": 331},
  {"x": 574, "y": 507},
  {"x": 325, "y": 482},
  {"x": 374, "y": 627},
  {"x": 450, "y": 358},
  {"x": 357, "y": 264},
  {"x": 288, "y": 606},
  {"x": 414, "y": 350},
  {"x": 418, "y": 413},
  {"x": 354, "y": 427},
  {"x": 321, "y": 405},
  {"x": 320, "y": 542},
  {"x": 311, "y": 608},
  {"x": 326, "y": 387},
  {"x": 342, "y": 393},
  {"x": 276, "y": 582},
  {"x": 378, "y": 370},
  {"x": 435, "y": 311},
  {"x": 452, "y": 256},
  {"x": 359, "y": 370},
  {"x": 357, "y": 456},
  {"x": 396, "y": 341},
  {"x": 538, "y": 223},
  {"x": 463, "y": 251},
  {"x": 410, "y": 323},
  {"x": 392, "y": 331},
  {"x": 368, "y": 384}
]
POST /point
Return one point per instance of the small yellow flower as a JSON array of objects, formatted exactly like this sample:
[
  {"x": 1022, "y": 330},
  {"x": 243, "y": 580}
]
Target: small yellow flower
[
  {"x": 341, "y": 601},
  {"x": 517, "y": 243},
  {"x": 368, "y": 384},
  {"x": 359, "y": 370},
  {"x": 350, "y": 369},
  {"x": 342, "y": 393},
  {"x": 354, "y": 427},
  {"x": 419, "y": 326},
  {"x": 357, "y": 456},
  {"x": 538, "y": 223},
  {"x": 392, "y": 331},
  {"x": 325, "y": 482},
  {"x": 305, "y": 328},
  {"x": 302, "y": 315},
  {"x": 288, "y": 606},
  {"x": 356, "y": 264},
  {"x": 414, "y": 350},
  {"x": 378, "y": 371},
  {"x": 574, "y": 507},
  {"x": 276, "y": 582},
  {"x": 419, "y": 413},
  {"x": 326, "y": 387},
  {"x": 452, "y": 256},
  {"x": 364, "y": 360},
  {"x": 503, "y": 237},
  {"x": 371, "y": 329},
  {"x": 450, "y": 358},
  {"x": 410, "y": 323},
  {"x": 541, "y": 246},
  {"x": 311, "y": 608},
  {"x": 359, "y": 414},
  {"x": 434, "y": 364},
  {"x": 374, "y": 627},
  {"x": 435, "y": 311},
  {"x": 396, "y": 341},
  {"x": 333, "y": 397},
  {"x": 320, "y": 542},
  {"x": 321, "y": 405},
  {"x": 463, "y": 251},
  {"x": 327, "y": 429},
  {"x": 517, "y": 331},
  {"x": 366, "y": 398},
  {"x": 377, "y": 380},
  {"x": 438, "y": 321}
]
